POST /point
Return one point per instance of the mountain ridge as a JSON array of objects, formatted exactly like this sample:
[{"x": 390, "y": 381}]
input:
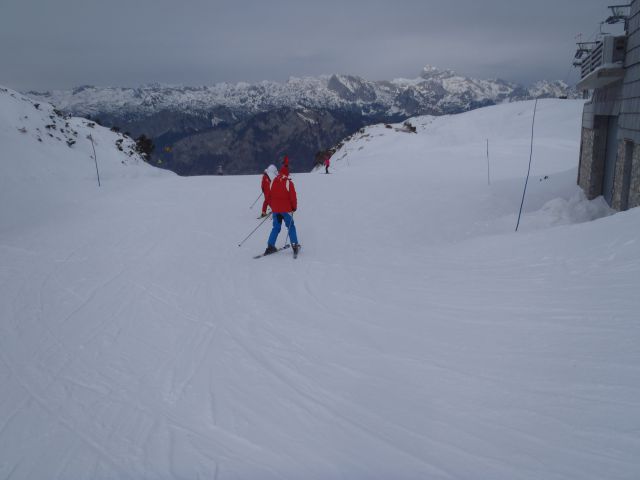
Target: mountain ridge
[
  {"x": 194, "y": 126},
  {"x": 441, "y": 91}
]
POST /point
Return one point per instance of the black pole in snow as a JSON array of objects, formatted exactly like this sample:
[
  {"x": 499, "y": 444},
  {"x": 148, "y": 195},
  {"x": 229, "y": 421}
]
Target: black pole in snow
[
  {"x": 488, "y": 176},
  {"x": 535, "y": 106},
  {"x": 95, "y": 158}
]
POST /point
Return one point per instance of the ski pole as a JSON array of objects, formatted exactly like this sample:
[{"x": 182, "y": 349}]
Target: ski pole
[
  {"x": 254, "y": 230},
  {"x": 255, "y": 201}
]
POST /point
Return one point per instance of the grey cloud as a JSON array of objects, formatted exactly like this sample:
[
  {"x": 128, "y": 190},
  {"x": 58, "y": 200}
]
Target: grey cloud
[{"x": 60, "y": 44}]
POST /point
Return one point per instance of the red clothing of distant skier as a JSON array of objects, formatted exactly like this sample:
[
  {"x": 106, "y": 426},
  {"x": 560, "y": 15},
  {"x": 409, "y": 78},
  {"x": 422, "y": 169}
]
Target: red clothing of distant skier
[
  {"x": 282, "y": 196},
  {"x": 266, "y": 183}
]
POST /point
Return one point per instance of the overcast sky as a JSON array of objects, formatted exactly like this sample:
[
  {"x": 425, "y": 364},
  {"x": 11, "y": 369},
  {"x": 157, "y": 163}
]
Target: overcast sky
[{"x": 51, "y": 44}]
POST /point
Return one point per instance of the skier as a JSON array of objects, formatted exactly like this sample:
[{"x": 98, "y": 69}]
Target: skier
[
  {"x": 327, "y": 162},
  {"x": 283, "y": 201},
  {"x": 269, "y": 174}
]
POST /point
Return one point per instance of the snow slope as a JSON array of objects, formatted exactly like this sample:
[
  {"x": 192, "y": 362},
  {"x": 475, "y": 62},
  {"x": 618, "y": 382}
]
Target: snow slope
[
  {"x": 47, "y": 161},
  {"x": 416, "y": 335}
]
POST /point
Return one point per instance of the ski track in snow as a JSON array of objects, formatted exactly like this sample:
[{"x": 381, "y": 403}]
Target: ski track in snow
[{"x": 416, "y": 336}]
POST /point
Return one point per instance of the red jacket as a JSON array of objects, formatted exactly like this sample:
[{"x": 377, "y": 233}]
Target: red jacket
[
  {"x": 282, "y": 196},
  {"x": 266, "y": 183}
]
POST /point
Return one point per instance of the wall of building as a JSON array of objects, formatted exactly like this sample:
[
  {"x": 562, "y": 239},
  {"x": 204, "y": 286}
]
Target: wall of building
[
  {"x": 630, "y": 109},
  {"x": 627, "y": 195},
  {"x": 592, "y": 153},
  {"x": 620, "y": 102},
  {"x": 626, "y": 183},
  {"x": 634, "y": 187},
  {"x": 620, "y": 181},
  {"x": 603, "y": 107},
  {"x": 604, "y": 101}
]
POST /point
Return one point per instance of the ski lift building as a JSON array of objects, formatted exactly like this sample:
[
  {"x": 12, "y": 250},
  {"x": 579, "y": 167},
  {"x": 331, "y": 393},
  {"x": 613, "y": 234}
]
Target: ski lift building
[{"x": 610, "y": 138}]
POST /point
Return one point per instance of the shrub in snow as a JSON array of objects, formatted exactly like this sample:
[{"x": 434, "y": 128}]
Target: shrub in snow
[
  {"x": 144, "y": 146},
  {"x": 409, "y": 127}
]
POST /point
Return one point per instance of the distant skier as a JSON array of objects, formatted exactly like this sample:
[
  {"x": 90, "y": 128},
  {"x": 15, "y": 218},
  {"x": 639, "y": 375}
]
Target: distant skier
[
  {"x": 269, "y": 174},
  {"x": 327, "y": 162},
  {"x": 283, "y": 201}
]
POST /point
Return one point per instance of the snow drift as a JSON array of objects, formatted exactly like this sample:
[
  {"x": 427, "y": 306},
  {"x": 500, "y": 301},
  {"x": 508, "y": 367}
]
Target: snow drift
[{"x": 416, "y": 336}]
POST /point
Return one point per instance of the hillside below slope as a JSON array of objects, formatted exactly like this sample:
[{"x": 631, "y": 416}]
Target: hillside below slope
[
  {"x": 416, "y": 335},
  {"x": 48, "y": 160}
]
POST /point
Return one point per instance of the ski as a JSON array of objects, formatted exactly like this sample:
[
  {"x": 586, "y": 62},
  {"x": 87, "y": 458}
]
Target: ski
[{"x": 277, "y": 250}]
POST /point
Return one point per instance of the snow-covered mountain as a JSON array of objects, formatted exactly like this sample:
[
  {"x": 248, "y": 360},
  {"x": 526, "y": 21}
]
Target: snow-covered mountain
[
  {"x": 207, "y": 121},
  {"x": 434, "y": 92},
  {"x": 551, "y": 89}
]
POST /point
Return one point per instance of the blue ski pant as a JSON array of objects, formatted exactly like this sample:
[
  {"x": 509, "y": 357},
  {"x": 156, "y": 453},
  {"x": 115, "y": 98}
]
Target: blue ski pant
[{"x": 277, "y": 225}]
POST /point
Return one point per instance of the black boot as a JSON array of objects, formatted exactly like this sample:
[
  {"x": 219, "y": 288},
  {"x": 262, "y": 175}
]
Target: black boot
[
  {"x": 295, "y": 247},
  {"x": 270, "y": 249}
]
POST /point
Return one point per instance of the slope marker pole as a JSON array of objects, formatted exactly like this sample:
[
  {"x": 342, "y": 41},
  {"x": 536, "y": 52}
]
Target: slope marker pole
[
  {"x": 488, "y": 175},
  {"x": 95, "y": 158},
  {"x": 535, "y": 106}
]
